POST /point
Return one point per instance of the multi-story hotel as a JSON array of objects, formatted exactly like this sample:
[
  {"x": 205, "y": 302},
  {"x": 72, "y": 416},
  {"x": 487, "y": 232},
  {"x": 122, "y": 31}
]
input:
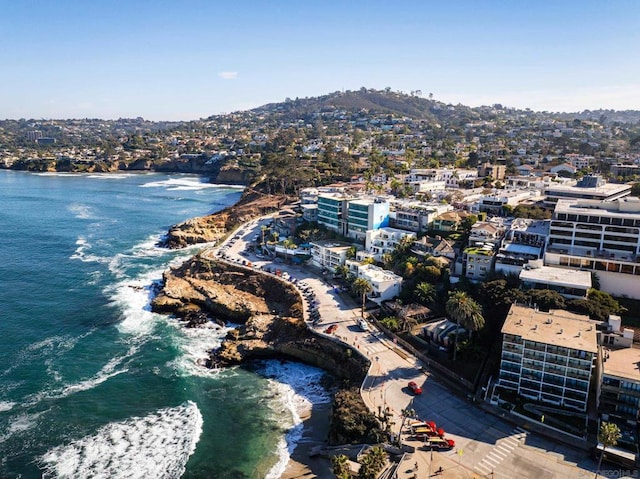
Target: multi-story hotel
[
  {"x": 548, "y": 357},
  {"x": 599, "y": 236}
]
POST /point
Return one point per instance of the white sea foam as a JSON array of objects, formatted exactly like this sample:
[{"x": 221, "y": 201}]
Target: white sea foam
[
  {"x": 6, "y": 406},
  {"x": 177, "y": 184},
  {"x": 157, "y": 445},
  {"x": 81, "y": 252},
  {"x": 106, "y": 372},
  {"x": 80, "y": 211},
  {"x": 194, "y": 345},
  {"x": 110, "y": 176},
  {"x": 299, "y": 388}
]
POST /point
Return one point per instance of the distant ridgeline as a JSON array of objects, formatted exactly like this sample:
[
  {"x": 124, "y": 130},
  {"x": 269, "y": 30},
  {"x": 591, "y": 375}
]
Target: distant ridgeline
[{"x": 312, "y": 141}]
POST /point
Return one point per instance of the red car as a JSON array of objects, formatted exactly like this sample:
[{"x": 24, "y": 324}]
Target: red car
[
  {"x": 415, "y": 389},
  {"x": 331, "y": 329}
]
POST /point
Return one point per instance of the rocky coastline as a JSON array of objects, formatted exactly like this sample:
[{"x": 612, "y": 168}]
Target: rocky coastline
[
  {"x": 215, "y": 227},
  {"x": 268, "y": 311}
]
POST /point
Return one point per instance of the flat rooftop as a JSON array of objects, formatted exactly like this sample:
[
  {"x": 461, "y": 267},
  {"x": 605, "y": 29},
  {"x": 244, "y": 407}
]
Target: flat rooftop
[
  {"x": 557, "y": 327},
  {"x": 557, "y": 276},
  {"x": 628, "y": 207},
  {"x": 602, "y": 190},
  {"x": 623, "y": 363}
]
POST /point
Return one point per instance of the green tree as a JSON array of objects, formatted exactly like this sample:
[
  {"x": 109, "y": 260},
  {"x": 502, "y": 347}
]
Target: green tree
[
  {"x": 464, "y": 311},
  {"x": 608, "y": 436},
  {"x": 425, "y": 292},
  {"x": 361, "y": 287},
  {"x": 341, "y": 466},
  {"x": 372, "y": 463}
]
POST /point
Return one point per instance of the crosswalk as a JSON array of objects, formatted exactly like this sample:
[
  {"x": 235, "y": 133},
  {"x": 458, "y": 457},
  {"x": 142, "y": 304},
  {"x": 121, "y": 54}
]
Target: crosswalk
[{"x": 500, "y": 451}]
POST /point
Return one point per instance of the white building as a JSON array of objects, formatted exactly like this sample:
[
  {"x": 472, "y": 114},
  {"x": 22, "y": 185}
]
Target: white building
[
  {"x": 366, "y": 214},
  {"x": 415, "y": 215},
  {"x": 328, "y": 254},
  {"x": 494, "y": 203},
  {"x": 591, "y": 187},
  {"x": 619, "y": 394},
  {"x": 599, "y": 236},
  {"x": 385, "y": 240},
  {"x": 570, "y": 283},
  {"x": 385, "y": 284}
]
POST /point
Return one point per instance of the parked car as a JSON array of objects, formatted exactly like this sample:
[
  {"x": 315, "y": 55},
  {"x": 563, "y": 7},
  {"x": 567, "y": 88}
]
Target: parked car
[
  {"x": 331, "y": 329},
  {"x": 362, "y": 324},
  {"x": 415, "y": 389}
]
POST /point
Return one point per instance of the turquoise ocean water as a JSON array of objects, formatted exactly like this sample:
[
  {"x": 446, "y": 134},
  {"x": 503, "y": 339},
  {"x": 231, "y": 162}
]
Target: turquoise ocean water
[{"x": 94, "y": 385}]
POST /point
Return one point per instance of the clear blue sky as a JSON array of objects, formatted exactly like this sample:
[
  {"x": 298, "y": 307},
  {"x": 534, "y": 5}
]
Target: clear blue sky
[{"x": 179, "y": 60}]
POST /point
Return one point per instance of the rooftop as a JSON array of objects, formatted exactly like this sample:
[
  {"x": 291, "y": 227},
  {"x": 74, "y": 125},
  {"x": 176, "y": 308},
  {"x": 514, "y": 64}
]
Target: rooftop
[
  {"x": 623, "y": 207},
  {"x": 559, "y": 328},
  {"x": 606, "y": 189},
  {"x": 624, "y": 363},
  {"x": 557, "y": 276}
]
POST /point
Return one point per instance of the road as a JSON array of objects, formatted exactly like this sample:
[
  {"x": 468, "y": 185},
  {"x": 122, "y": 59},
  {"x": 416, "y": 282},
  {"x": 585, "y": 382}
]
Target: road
[{"x": 486, "y": 445}]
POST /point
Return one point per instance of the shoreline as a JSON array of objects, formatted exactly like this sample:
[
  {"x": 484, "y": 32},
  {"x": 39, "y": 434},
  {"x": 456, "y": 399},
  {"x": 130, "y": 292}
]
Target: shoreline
[
  {"x": 315, "y": 422},
  {"x": 315, "y": 431}
]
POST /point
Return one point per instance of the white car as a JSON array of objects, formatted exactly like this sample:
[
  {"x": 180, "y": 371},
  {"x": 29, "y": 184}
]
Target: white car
[{"x": 363, "y": 325}]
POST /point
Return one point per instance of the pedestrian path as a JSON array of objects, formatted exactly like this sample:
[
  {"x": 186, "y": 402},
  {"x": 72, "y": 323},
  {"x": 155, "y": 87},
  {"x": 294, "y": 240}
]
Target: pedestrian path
[{"x": 501, "y": 450}]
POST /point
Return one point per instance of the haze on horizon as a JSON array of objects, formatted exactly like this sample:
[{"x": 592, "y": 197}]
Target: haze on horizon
[{"x": 189, "y": 60}]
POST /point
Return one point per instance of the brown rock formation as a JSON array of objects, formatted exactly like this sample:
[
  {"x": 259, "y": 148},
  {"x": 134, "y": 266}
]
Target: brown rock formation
[{"x": 268, "y": 309}]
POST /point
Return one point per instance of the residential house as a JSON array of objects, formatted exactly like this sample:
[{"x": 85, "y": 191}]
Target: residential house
[
  {"x": 328, "y": 254},
  {"x": 384, "y": 240}
]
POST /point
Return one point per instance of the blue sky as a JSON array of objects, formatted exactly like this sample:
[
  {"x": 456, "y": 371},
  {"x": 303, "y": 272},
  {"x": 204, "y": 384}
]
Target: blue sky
[{"x": 181, "y": 60}]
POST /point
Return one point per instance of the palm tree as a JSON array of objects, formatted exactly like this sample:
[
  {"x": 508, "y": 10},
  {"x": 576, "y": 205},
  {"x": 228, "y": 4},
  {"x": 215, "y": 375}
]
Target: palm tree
[
  {"x": 361, "y": 287},
  {"x": 341, "y": 466},
  {"x": 464, "y": 310},
  {"x": 372, "y": 463},
  {"x": 608, "y": 436},
  {"x": 425, "y": 292}
]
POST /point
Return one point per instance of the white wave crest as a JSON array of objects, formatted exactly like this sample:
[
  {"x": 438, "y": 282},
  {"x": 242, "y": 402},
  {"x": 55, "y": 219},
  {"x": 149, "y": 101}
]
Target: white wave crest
[{"x": 157, "y": 445}]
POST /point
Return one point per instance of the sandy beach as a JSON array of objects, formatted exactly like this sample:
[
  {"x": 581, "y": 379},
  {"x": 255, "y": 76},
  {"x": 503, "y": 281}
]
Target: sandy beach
[{"x": 315, "y": 431}]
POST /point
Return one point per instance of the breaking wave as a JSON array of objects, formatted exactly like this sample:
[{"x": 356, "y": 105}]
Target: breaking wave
[{"x": 154, "y": 446}]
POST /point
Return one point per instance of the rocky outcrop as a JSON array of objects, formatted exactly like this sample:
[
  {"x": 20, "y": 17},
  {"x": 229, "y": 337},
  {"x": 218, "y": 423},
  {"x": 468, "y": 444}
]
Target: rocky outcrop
[
  {"x": 268, "y": 310},
  {"x": 214, "y": 227}
]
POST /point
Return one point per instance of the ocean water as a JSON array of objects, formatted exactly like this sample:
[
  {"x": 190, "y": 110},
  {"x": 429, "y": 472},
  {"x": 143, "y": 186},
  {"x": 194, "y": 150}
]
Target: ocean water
[{"x": 94, "y": 385}]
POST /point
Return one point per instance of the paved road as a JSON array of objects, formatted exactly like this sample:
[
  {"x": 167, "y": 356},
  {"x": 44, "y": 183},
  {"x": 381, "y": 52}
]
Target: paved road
[{"x": 486, "y": 445}]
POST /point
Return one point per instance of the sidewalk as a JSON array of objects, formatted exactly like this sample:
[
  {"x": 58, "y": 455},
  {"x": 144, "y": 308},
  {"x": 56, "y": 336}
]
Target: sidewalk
[{"x": 436, "y": 464}]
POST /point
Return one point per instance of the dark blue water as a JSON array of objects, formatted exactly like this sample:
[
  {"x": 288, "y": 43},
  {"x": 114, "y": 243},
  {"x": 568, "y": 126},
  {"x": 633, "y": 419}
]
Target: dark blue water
[{"x": 94, "y": 385}]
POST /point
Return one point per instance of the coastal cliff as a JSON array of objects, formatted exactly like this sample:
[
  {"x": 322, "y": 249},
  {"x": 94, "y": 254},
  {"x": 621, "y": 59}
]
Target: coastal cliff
[
  {"x": 267, "y": 309},
  {"x": 214, "y": 227}
]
